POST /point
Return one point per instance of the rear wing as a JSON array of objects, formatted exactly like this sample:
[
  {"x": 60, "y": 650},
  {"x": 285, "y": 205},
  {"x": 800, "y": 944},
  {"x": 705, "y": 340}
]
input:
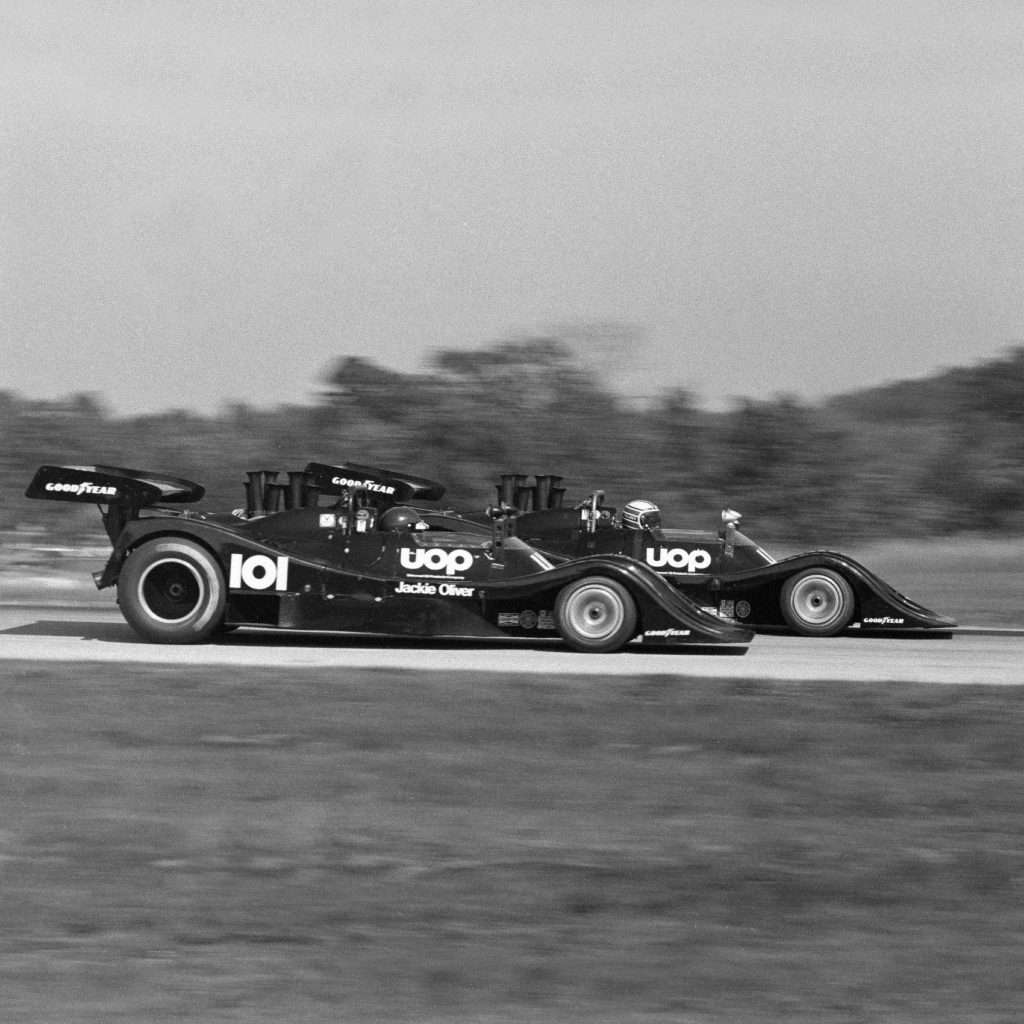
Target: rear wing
[
  {"x": 392, "y": 485},
  {"x": 111, "y": 485}
]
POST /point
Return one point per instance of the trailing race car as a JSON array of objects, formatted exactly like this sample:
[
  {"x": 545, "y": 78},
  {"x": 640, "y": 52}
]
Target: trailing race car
[
  {"x": 820, "y": 593},
  {"x": 345, "y": 549}
]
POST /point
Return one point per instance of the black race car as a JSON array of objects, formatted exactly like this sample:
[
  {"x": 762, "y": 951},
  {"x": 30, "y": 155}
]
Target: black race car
[
  {"x": 350, "y": 549},
  {"x": 820, "y": 593}
]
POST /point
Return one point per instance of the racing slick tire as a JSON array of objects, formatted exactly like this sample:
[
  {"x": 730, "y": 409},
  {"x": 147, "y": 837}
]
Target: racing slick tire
[
  {"x": 595, "y": 615},
  {"x": 171, "y": 591},
  {"x": 817, "y": 602}
]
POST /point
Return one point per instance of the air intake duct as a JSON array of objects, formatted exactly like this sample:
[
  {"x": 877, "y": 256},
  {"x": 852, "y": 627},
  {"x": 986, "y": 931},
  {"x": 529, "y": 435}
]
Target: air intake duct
[
  {"x": 511, "y": 484},
  {"x": 296, "y": 496},
  {"x": 545, "y": 492},
  {"x": 256, "y": 490},
  {"x": 263, "y": 492}
]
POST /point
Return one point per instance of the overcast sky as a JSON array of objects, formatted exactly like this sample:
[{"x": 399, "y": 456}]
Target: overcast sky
[{"x": 206, "y": 201}]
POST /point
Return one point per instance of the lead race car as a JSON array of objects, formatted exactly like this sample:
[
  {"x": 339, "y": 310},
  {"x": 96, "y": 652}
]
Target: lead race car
[
  {"x": 347, "y": 549},
  {"x": 818, "y": 593}
]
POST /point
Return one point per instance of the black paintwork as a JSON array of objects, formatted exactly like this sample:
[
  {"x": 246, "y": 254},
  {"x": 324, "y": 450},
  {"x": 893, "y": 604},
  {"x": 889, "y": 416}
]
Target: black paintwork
[
  {"x": 346, "y": 574},
  {"x": 721, "y": 571},
  {"x": 324, "y": 564}
]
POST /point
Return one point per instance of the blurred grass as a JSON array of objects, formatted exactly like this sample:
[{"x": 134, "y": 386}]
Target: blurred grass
[{"x": 225, "y": 845}]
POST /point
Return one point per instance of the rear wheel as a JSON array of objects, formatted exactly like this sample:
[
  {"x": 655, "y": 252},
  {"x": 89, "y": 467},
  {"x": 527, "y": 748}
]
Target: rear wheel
[
  {"x": 596, "y": 615},
  {"x": 171, "y": 591},
  {"x": 817, "y": 602}
]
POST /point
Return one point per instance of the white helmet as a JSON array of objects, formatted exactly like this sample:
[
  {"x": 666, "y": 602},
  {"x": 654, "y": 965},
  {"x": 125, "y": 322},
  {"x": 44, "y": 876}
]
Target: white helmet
[{"x": 640, "y": 514}]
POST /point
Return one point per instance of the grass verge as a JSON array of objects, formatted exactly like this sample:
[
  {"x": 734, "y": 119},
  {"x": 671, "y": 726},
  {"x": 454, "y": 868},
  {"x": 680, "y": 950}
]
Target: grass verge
[{"x": 219, "y": 845}]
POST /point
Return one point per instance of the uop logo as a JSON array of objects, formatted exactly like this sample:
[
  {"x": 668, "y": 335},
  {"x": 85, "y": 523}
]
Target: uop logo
[
  {"x": 436, "y": 560},
  {"x": 679, "y": 559},
  {"x": 85, "y": 487},
  {"x": 258, "y": 572}
]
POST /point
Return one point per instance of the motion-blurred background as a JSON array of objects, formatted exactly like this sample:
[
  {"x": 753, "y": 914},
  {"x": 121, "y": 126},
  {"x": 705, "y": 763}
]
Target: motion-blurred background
[
  {"x": 938, "y": 456},
  {"x": 678, "y": 251}
]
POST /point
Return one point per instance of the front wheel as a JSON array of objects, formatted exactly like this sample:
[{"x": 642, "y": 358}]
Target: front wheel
[
  {"x": 171, "y": 591},
  {"x": 596, "y": 615},
  {"x": 817, "y": 602}
]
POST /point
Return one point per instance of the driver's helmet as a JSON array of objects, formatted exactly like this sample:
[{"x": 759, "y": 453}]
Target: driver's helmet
[
  {"x": 641, "y": 514},
  {"x": 402, "y": 518}
]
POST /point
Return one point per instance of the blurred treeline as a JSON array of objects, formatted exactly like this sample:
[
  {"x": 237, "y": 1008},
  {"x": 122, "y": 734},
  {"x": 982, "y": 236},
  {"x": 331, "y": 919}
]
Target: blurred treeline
[{"x": 929, "y": 457}]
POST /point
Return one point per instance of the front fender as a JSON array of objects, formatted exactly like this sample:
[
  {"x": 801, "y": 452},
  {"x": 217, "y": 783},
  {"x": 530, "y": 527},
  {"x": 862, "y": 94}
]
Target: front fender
[
  {"x": 661, "y": 604},
  {"x": 879, "y": 605}
]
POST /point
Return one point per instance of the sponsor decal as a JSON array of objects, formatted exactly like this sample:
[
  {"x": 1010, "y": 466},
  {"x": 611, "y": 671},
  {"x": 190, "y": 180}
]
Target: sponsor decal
[
  {"x": 679, "y": 559},
  {"x": 367, "y": 485},
  {"x": 884, "y": 620},
  {"x": 727, "y": 609},
  {"x": 430, "y": 590},
  {"x": 742, "y": 609},
  {"x": 666, "y": 632},
  {"x": 328, "y": 520},
  {"x": 258, "y": 572},
  {"x": 451, "y": 563},
  {"x": 85, "y": 487},
  {"x": 527, "y": 619}
]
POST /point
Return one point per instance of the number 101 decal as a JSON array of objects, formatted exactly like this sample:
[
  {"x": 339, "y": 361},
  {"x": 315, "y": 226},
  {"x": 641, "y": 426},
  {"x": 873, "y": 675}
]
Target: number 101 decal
[{"x": 258, "y": 572}]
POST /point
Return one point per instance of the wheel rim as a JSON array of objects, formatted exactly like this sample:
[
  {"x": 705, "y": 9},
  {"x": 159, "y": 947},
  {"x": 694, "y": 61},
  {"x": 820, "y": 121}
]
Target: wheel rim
[
  {"x": 171, "y": 590},
  {"x": 595, "y": 613},
  {"x": 817, "y": 600}
]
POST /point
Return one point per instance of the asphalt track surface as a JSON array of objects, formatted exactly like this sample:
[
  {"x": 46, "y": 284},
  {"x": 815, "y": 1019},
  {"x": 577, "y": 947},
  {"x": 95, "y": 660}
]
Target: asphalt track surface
[{"x": 97, "y": 634}]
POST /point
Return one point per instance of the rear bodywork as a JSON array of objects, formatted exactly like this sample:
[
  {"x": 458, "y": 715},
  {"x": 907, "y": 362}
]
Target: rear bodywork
[{"x": 308, "y": 553}]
